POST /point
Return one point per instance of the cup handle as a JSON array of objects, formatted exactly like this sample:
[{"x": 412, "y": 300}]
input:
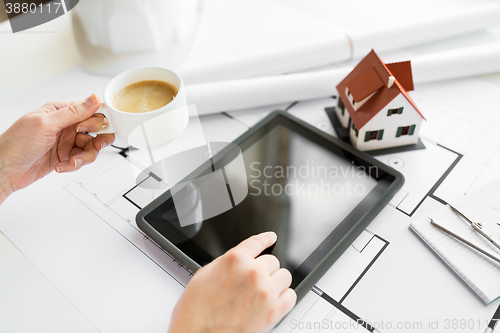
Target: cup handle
[{"x": 108, "y": 129}]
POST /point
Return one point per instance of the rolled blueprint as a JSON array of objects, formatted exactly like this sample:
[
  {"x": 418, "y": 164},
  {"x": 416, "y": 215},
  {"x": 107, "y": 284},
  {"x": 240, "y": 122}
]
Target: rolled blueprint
[
  {"x": 341, "y": 47},
  {"x": 453, "y": 64},
  {"x": 231, "y": 95}
]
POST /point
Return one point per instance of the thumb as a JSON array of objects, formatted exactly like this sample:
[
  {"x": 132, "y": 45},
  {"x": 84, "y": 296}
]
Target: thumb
[{"x": 74, "y": 113}]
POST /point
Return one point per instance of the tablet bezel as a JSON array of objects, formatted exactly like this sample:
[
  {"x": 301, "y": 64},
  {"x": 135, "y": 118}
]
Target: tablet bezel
[{"x": 350, "y": 232}]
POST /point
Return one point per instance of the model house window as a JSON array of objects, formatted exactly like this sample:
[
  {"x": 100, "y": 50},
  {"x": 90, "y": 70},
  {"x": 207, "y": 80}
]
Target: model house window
[
  {"x": 390, "y": 112},
  {"x": 405, "y": 130},
  {"x": 341, "y": 106},
  {"x": 374, "y": 135},
  {"x": 355, "y": 130}
]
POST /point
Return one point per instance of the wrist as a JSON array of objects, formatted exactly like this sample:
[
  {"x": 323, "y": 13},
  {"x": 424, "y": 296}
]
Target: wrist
[
  {"x": 5, "y": 188},
  {"x": 4, "y": 192},
  {"x": 5, "y": 183}
]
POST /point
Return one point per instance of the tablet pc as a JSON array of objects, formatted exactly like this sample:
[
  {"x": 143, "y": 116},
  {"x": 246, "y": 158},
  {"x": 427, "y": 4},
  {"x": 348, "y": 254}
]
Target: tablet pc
[{"x": 315, "y": 191}]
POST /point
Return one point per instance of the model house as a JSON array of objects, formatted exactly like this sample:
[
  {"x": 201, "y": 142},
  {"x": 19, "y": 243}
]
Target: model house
[{"x": 374, "y": 104}]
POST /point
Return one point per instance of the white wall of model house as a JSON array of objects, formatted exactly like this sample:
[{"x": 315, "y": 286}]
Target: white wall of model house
[
  {"x": 390, "y": 125},
  {"x": 342, "y": 114}
]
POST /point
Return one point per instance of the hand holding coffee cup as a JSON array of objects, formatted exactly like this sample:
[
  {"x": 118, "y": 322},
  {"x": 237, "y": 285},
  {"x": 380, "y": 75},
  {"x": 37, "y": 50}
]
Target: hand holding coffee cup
[{"x": 145, "y": 106}]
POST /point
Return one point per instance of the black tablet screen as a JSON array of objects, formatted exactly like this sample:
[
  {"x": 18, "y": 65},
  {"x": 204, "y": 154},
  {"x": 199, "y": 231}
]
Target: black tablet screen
[{"x": 306, "y": 189}]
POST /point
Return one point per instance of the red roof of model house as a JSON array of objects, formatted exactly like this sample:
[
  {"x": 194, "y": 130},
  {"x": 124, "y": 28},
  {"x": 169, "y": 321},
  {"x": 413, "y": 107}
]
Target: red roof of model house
[{"x": 383, "y": 82}]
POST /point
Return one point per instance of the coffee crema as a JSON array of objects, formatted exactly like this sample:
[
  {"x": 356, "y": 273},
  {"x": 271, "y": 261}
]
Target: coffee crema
[{"x": 145, "y": 96}]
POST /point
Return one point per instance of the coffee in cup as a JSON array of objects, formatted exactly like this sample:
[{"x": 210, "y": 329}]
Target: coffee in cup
[{"x": 145, "y": 96}]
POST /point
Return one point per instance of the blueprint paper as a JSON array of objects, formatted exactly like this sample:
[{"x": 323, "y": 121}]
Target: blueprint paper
[
  {"x": 59, "y": 313},
  {"x": 452, "y": 64},
  {"x": 269, "y": 90},
  {"x": 299, "y": 57},
  {"x": 440, "y": 25},
  {"x": 261, "y": 91},
  {"x": 96, "y": 226},
  {"x": 344, "y": 46}
]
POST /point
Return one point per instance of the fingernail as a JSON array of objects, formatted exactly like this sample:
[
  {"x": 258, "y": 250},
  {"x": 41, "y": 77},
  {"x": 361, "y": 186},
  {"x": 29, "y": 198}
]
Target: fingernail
[
  {"x": 91, "y": 100},
  {"x": 78, "y": 162},
  {"x": 60, "y": 168},
  {"x": 273, "y": 234},
  {"x": 103, "y": 145},
  {"x": 81, "y": 129}
]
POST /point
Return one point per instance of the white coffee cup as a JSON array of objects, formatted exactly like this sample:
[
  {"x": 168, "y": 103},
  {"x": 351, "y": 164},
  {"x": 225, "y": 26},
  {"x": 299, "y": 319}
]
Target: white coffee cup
[{"x": 149, "y": 129}]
